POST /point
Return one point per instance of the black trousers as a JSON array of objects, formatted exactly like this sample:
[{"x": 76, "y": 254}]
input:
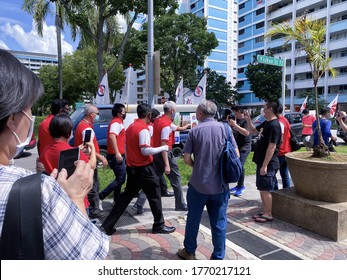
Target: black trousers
[
  {"x": 138, "y": 178},
  {"x": 93, "y": 195}
]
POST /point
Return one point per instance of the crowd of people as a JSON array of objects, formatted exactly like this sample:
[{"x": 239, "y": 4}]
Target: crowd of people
[{"x": 140, "y": 155}]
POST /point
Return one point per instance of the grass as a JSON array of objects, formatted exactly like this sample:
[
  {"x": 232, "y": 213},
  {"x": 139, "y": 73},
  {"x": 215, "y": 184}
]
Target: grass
[{"x": 38, "y": 120}]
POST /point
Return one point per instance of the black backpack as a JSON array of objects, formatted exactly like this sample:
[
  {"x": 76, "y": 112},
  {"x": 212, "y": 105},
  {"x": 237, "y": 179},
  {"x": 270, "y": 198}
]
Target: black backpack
[{"x": 231, "y": 167}]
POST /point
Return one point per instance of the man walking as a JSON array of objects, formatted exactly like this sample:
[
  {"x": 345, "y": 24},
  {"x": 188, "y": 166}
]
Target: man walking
[
  {"x": 140, "y": 174},
  {"x": 91, "y": 115},
  {"x": 116, "y": 151},
  {"x": 202, "y": 151},
  {"x": 243, "y": 139},
  {"x": 164, "y": 134},
  {"x": 265, "y": 157}
]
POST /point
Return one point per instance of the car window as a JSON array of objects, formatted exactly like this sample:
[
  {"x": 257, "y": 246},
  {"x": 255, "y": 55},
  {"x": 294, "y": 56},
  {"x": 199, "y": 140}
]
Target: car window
[
  {"x": 297, "y": 118},
  {"x": 105, "y": 115},
  {"x": 288, "y": 117},
  {"x": 76, "y": 114}
]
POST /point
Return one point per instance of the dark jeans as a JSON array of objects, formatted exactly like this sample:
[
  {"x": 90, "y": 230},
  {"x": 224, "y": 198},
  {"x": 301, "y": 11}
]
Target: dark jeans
[
  {"x": 119, "y": 173},
  {"x": 243, "y": 158},
  {"x": 93, "y": 195},
  {"x": 144, "y": 178}
]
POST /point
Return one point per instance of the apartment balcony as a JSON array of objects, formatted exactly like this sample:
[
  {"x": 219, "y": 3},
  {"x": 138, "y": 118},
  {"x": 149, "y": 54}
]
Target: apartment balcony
[
  {"x": 302, "y": 68},
  {"x": 339, "y": 62},
  {"x": 338, "y": 26},
  {"x": 306, "y": 3},
  {"x": 285, "y": 11},
  {"x": 338, "y": 44},
  {"x": 276, "y": 43},
  {"x": 272, "y": 2},
  {"x": 338, "y": 8},
  {"x": 338, "y": 80}
]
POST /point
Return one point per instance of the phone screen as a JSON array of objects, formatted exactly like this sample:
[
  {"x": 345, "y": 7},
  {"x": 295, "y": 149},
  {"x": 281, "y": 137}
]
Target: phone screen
[
  {"x": 67, "y": 160},
  {"x": 87, "y": 135}
]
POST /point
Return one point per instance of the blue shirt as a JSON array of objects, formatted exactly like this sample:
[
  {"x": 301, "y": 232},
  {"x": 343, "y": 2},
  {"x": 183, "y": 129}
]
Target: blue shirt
[
  {"x": 205, "y": 142},
  {"x": 326, "y": 131},
  {"x": 67, "y": 233}
]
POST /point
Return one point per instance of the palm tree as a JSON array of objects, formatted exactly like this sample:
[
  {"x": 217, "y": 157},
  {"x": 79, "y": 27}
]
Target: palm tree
[
  {"x": 309, "y": 35},
  {"x": 40, "y": 9}
]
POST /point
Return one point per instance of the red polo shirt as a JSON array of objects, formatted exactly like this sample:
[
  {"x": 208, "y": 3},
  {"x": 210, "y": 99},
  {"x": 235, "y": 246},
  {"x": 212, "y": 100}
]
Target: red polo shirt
[
  {"x": 163, "y": 130},
  {"x": 137, "y": 137},
  {"x": 45, "y": 138},
  {"x": 80, "y": 131},
  {"x": 285, "y": 127},
  {"x": 116, "y": 127},
  {"x": 50, "y": 158}
]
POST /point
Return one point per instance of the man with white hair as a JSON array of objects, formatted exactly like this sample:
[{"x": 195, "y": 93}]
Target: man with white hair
[{"x": 164, "y": 134}]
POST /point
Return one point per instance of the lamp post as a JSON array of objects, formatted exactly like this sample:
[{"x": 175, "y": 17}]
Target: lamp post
[{"x": 150, "y": 54}]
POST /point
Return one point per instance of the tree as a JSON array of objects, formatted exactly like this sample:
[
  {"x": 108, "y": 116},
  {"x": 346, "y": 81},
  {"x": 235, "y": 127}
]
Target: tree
[
  {"x": 309, "y": 36},
  {"x": 40, "y": 9},
  {"x": 93, "y": 18},
  {"x": 265, "y": 80},
  {"x": 183, "y": 42}
]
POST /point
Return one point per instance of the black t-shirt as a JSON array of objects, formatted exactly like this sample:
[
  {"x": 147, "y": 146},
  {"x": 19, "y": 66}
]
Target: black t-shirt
[
  {"x": 243, "y": 142},
  {"x": 270, "y": 133}
]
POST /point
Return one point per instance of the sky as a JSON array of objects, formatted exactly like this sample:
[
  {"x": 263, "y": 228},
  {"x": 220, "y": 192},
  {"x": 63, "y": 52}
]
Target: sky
[{"x": 18, "y": 31}]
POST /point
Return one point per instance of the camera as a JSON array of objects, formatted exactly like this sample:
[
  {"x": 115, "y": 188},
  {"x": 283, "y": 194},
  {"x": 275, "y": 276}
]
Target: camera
[{"x": 231, "y": 117}]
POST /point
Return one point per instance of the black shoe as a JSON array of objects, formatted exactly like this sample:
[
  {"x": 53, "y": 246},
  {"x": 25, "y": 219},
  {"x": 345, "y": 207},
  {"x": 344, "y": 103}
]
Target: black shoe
[
  {"x": 183, "y": 208},
  {"x": 167, "y": 194},
  {"x": 97, "y": 214},
  {"x": 108, "y": 231},
  {"x": 163, "y": 229}
]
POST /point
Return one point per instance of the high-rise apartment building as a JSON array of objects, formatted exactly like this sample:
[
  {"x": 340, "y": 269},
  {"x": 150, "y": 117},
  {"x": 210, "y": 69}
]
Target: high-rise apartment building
[
  {"x": 222, "y": 21},
  {"x": 257, "y": 16}
]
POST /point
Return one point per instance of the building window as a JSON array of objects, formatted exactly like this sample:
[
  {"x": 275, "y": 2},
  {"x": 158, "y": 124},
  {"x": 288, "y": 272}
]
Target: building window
[
  {"x": 241, "y": 45},
  {"x": 242, "y": 31},
  {"x": 259, "y": 25},
  {"x": 241, "y": 57},
  {"x": 344, "y": 53},
  {"x": 259, "y": 39},
  {"x": 242, "y": 6},
  {"x": 241, "y": 19},
  {"x": 260, "y": 11},
  {"x": 241, "y": 70}
]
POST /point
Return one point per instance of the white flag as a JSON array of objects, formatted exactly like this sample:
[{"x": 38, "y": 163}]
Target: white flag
[
  {"x": 200, "y": 91},
  {"x": 179, "y": 93},
  {"x": 333, "y": 105},
  {"x": 303, "y": 106},
  {"x": 103, "y": 94},
  {"x": 117, "y": 99},
  {"x": 126, "y": 89}
]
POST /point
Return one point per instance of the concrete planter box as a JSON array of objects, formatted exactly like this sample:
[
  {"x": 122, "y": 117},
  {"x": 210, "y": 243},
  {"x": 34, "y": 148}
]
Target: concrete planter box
[{"x": 316, "y": 179}]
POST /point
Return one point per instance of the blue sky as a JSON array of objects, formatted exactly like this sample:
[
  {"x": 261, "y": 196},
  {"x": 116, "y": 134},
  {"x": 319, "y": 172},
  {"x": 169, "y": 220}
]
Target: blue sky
[{"x": 18, "y": 31}]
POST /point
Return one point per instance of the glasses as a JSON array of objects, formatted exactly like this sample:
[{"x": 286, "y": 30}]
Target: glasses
[{"x": 96, "y": 113}]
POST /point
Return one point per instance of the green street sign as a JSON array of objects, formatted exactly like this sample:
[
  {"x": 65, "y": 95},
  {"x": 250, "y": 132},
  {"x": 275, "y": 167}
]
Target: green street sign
[{"x": 270, "y": 60}]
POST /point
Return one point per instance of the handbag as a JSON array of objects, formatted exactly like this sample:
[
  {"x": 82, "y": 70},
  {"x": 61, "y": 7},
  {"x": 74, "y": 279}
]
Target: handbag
[
  {"x": 294, "y": 143},
  {"x": 22, "y": 236}
]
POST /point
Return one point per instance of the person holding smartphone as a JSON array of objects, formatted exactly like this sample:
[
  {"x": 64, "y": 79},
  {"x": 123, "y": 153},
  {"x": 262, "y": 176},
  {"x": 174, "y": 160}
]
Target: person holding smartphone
[
  {"x": 60, "y": 129},
  {"x": 341, "y": 119}
]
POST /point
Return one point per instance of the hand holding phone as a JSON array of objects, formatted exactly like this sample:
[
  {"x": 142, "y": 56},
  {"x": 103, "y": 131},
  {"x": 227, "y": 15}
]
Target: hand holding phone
[{"x": 87, "y": 136}]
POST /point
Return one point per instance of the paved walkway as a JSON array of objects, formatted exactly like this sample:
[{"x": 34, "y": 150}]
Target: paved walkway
[{"x": 247, "y": 239}]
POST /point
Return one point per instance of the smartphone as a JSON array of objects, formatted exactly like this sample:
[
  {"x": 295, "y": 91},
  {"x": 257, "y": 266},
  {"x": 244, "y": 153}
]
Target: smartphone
[
  {"x": 87, "y": 135},
  {"x": 67, "y": 160}
]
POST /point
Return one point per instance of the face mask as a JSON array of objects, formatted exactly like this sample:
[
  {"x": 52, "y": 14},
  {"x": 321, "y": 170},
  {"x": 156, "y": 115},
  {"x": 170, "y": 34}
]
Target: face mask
[
  {"x": 262, "y": 112},
  {"x": 173, "y": 115},
  {"x": 21, "y": 145},
  {"x": 124, "y": 116},
  {"x": 96, "y": 118}
]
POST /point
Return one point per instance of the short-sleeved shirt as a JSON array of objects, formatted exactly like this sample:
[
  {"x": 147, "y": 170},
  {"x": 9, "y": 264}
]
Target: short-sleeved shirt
[
  {"x": 45, "y": 138},
  {"x": 285, "y": 130},
  {"x": 270, "y": 133},
  {"x": 80, "y": 132},
  {"x": 308, "y": 120},
  {"x": 243, "y": 142},
  {"x": 116, "y": 127},
  {"x": 137, "y": 137},
  {"x": 67, "y": 233},
  {"x": 50, "y": 158},
  {"x": 205, "y": 142},
  {"x": 163, "y": 130},
  {"x": 325, "y": 125}
]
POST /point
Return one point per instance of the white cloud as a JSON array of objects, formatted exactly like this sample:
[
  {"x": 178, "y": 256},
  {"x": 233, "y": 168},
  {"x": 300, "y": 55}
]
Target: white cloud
[
  {"x": 3, "y": 45},
  {"x": 32, "y": 42}
]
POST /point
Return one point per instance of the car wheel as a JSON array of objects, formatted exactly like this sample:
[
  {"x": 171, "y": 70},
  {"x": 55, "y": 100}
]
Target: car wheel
[{"x": 177, "y": 152}]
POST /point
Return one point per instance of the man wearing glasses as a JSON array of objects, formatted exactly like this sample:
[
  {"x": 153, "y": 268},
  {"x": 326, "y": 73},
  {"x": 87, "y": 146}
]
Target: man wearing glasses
[{"x": 91, "y": 115}]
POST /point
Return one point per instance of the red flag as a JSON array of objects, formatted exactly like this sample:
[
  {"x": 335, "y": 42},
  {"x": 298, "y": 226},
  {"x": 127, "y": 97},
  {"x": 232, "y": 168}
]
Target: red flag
[{"x": 303, "y": 106}]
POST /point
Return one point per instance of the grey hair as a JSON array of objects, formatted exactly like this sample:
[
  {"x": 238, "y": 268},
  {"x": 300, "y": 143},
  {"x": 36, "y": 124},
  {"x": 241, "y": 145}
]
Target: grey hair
[
  {"x": 208, "y": 108},
  {"x": 19, "y": 87},
  {"x": 169, "y": 105},
  {"x": 89, "y": 109}
]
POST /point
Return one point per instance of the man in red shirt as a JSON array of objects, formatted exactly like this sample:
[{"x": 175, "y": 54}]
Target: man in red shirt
[
  {"x": 91, "y": 114},
  {"x": 140, "y": 174},
  {"x": 60, "y": 129},
  {"x": 116, "y": 151},
  {"x": 44, "y": 138},
  {"x": 164, "y": 134}
]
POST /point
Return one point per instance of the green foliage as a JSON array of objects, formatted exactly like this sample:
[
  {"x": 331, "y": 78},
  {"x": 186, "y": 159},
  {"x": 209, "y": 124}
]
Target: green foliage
[
  {"x": 183, "y": 42},
  {"x": 265, "y": 80}
]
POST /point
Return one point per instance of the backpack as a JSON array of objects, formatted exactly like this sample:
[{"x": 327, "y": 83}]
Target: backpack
[
  {"x": 294, "y": 143},
  {"x": 231, "y": 167}
]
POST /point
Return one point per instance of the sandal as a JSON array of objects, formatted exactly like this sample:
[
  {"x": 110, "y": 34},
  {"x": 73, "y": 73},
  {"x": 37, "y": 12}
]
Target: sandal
[
  {"x": 257, "y": 215},
  {"x": 263, "y": 219}
]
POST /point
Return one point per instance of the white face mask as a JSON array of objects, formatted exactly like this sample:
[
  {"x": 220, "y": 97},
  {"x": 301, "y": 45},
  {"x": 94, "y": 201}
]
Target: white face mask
[
  {"x": 21, "y": 144},
  {"x": 262, "y": 112}
]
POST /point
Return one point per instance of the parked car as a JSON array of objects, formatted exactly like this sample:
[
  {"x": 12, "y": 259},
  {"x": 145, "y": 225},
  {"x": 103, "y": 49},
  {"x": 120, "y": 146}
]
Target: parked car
[
  {"x": 341, "y": 134},
  {"x": 31, "y": 145},
  {"x": 294, "y": 118}
]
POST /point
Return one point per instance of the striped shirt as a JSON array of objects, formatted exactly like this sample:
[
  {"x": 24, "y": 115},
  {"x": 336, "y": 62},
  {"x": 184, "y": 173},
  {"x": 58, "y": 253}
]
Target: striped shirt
[{"x": 67, "y": 233}]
